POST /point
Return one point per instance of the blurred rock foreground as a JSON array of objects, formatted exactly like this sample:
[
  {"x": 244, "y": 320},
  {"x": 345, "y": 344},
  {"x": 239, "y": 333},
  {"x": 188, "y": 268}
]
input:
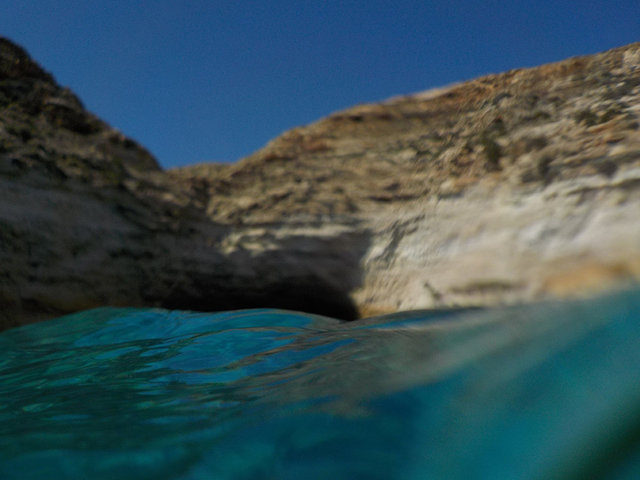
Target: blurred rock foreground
[{"x": 507, "y": 188}]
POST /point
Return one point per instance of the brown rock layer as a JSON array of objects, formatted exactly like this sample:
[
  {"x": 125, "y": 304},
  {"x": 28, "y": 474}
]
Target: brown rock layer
[{"x": 507, "y": 188}]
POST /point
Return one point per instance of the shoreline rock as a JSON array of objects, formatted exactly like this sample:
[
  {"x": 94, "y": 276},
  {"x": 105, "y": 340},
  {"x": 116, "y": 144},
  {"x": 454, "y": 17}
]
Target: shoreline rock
[{"x": 507, "y": 188}]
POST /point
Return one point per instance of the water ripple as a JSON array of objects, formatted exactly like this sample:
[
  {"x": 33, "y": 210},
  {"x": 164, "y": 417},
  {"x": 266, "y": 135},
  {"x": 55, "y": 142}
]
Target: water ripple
[{"x": 544, "y": 391}]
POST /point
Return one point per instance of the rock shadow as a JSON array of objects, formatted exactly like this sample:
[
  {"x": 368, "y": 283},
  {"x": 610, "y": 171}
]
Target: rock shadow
[{"x": 311, "y": 274}]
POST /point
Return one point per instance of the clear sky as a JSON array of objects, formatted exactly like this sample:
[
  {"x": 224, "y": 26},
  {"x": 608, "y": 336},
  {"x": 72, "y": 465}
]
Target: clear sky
[{"x": 197, "y": 80}]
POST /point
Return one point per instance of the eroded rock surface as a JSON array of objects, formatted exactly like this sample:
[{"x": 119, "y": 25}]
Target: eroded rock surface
[{"x": 507, "y": 188}]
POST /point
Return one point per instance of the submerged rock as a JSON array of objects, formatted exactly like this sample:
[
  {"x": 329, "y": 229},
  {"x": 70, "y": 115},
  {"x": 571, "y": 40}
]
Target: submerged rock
[{"x": 507, "y": 188}]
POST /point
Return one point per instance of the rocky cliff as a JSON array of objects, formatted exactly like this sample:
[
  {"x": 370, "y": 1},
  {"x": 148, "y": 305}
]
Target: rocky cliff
[{"x": 507, "y": 188}]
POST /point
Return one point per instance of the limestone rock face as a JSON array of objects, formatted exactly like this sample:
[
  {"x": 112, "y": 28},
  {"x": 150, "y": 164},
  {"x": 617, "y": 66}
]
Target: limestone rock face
[
  {"x": 507, "y": 188},
  {"x": 88, "y": 218}
]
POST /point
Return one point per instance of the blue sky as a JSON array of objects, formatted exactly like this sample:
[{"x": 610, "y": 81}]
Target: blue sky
[{"x": 197, "y": 81}]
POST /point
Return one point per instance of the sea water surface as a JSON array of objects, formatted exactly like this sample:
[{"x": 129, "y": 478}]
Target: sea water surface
[{"x": 533, "y": 392}]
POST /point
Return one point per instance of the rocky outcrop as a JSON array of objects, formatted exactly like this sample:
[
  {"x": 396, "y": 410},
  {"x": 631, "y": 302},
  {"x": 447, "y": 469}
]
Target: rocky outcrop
[
  {"x": 507, "y": 188},
  {"x": 88, "y": 218}
]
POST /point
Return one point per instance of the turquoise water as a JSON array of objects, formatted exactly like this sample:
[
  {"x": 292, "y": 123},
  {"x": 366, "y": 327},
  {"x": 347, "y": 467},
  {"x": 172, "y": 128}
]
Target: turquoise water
[{"x": 537, "y": 392}]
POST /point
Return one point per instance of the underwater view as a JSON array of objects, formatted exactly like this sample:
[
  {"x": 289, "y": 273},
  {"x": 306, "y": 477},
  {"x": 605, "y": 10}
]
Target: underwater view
[{"x": 543, "y": 391}]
